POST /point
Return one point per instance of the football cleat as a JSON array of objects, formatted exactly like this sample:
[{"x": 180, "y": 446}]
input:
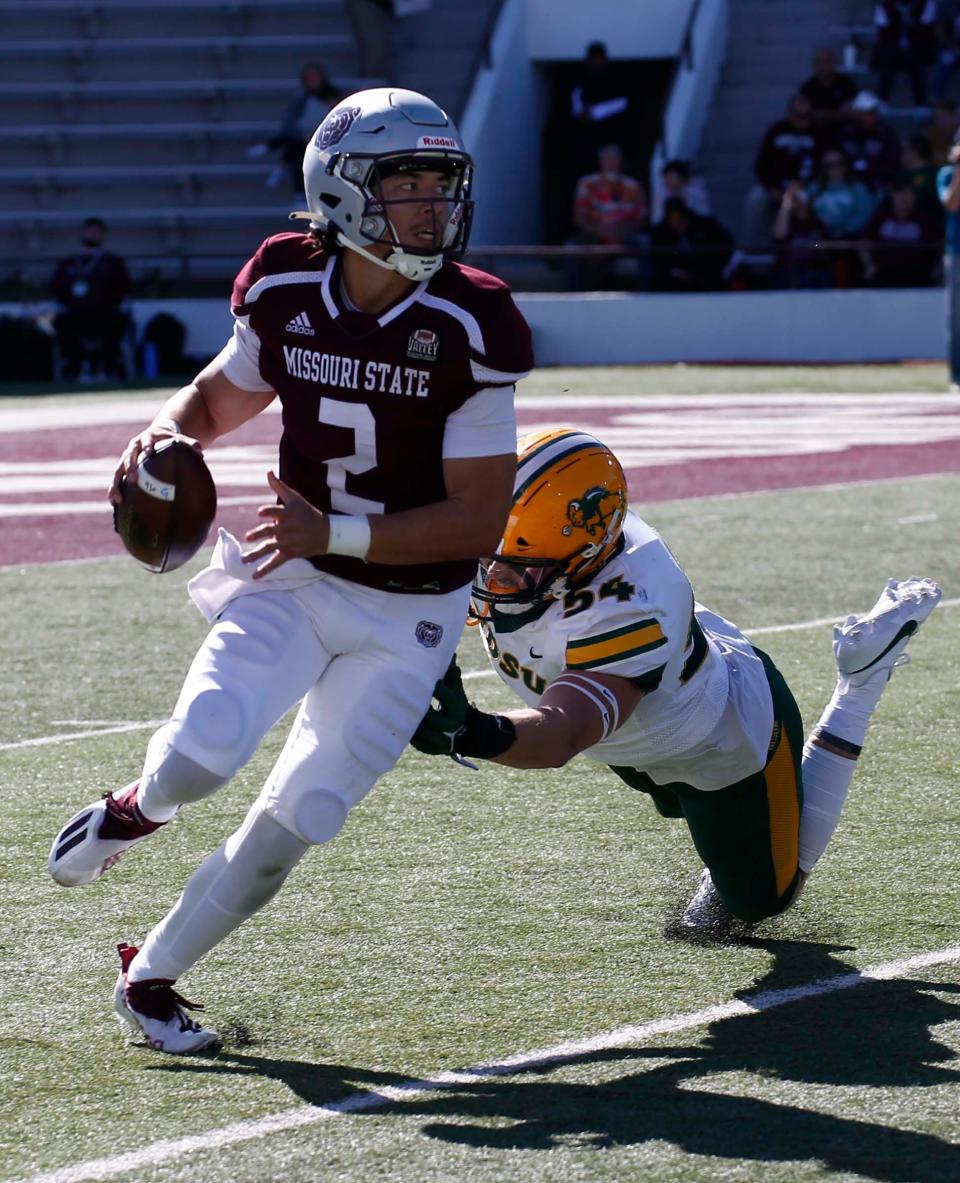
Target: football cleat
[
  {"x": 706, "y": 912},
  {"x": 874, "y": 642},
  {"x": 154, "y": 1010},
  {"x": 92, "y": 841}
]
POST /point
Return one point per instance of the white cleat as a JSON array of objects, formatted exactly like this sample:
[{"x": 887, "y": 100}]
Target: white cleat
[
  {"x": 865, "y": 645},
  {"x": 706, "y": 912},
  {"x": 153, "y": 1010},
  {"x": 93, "y": 839}
]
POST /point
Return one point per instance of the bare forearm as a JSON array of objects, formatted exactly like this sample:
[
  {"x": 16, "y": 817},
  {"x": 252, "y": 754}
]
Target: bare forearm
[
  {"x": 439, "y": 532},
  {"x": 189, "y": 410},
  {"x": 546, "y": 738}
]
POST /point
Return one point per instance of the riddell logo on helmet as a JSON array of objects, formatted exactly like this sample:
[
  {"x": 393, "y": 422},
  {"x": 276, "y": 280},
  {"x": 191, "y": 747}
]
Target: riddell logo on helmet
[{"x": 436, "y": 142}]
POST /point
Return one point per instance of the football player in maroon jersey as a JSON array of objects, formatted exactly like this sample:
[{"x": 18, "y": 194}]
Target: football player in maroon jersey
[{"x": 395, "y": 368}]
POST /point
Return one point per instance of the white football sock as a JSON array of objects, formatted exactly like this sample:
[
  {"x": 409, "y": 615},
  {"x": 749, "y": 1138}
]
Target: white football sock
[
  {"x": 170, "y": 780},
  {"x": 236, "y": 881},
  {"x": 827, "y": 776}
]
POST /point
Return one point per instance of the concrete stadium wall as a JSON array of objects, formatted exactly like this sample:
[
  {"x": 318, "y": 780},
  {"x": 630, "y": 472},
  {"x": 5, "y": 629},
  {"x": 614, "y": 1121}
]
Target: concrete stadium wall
[
  {"x": 630, "y": 28},
  {"x": 841, "y": 326},
  {"x": 626, "y": 329}
]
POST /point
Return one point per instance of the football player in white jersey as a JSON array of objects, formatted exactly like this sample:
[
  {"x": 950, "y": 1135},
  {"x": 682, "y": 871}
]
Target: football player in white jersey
[{"x": 588, "y": 617}]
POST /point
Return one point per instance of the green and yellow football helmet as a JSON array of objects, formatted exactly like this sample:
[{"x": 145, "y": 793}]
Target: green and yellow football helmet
[{"x": 566, "y": 520}]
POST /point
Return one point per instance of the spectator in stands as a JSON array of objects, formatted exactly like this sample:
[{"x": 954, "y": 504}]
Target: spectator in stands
[
  {"x": 948, "y": 185},
  {"x": 870, "y": 143},
  {"x": 609, "y": 209},
  {"x": 90, "y": 287},
  {"x": 787, "y": 152},
  {"x": 948, "y": 45},
  {"x": 599, "y": 106},
  {"x": 372, "y": 24},
  {"x": 691, "y": 251},
  {"x": 943, "y": 126},
  {"x": 841, "y": 202},
  {"x": 797, "y": 232},
  {"x": 829, "y": 91},
  {"x": 905, "y": 256},
  {"x": 307, "y": 111},
  {"x": 676, "y": 179},
  {"x": 917, "y": 168},
  {"x": 904, "y": 32}
]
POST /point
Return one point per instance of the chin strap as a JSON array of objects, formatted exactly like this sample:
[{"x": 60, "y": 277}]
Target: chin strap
[{"x": 412, "y": 267}]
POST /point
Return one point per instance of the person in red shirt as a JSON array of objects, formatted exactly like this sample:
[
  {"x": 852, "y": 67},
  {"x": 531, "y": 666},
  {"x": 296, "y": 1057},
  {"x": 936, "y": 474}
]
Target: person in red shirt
[
  {"x": 395, "y": 368},
  {"x": 609, "y": 209}
]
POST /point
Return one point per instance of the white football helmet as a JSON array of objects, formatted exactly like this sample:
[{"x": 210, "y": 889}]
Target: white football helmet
[{"x": 374, "y": 134}]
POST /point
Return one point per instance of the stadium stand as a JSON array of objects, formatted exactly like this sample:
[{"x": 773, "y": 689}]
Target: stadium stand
[{"x": 110, "y": 108}]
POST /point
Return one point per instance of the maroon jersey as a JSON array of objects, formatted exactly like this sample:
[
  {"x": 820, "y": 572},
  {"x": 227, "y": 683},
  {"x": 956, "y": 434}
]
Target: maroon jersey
[{"x": 366, "y": 398}]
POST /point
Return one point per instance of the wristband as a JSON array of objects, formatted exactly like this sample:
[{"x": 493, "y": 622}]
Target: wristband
[
  {"x": 167, "y": 425},
  {"x": 349, "y": 535},
  {"x": 484, "y": 736}
]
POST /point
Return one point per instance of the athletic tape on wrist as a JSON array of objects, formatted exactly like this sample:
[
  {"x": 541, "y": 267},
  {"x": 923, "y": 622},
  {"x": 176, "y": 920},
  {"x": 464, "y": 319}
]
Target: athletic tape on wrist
[{"x": 349, "y": 535}]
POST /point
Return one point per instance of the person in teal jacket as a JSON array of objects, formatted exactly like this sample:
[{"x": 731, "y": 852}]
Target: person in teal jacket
[{"x": 948, "y": 190}]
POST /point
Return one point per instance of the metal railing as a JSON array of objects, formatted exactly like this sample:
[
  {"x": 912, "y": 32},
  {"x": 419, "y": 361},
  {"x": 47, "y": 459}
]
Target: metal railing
[{"x": 833, "y": 262}]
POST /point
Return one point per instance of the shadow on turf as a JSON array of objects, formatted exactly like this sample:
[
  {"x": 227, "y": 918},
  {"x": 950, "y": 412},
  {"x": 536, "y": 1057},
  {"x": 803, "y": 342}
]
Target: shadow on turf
[{"x": 878, "y": 1035}]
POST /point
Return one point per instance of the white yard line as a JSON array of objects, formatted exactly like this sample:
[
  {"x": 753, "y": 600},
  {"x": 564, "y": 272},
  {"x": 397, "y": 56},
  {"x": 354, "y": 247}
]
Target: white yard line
[
  {"x": 472, "y": 675},
  {"x": 171, "y": 1149},
  {"x": 42, "y": 741},
  {"x": 100, "y": 508}
]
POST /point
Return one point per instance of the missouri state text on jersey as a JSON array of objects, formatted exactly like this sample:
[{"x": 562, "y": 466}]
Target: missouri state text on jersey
[{"x": 366, "y": 398}]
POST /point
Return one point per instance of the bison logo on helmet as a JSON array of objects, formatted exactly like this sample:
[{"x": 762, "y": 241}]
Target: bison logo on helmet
[
  {"x": 335, "y": 127},
  {"x": 596, "y": 510}
]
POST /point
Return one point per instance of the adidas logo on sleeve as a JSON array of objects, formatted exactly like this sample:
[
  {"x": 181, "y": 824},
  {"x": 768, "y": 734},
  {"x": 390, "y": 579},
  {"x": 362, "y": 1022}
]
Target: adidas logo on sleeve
[{"x": 301, "y": 324}]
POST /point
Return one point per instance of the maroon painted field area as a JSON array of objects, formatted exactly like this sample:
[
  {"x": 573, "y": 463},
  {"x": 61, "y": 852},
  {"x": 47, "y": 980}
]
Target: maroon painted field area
[{"x": 53, "y": 482}]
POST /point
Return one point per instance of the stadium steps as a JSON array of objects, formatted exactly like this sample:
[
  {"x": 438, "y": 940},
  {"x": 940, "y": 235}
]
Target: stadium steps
[
  {"x": 111, "y": 107},
  {"x": 119, "y": 143},
  {"x": 67, "y": 19},
  {"x": 121, "y": 59}
]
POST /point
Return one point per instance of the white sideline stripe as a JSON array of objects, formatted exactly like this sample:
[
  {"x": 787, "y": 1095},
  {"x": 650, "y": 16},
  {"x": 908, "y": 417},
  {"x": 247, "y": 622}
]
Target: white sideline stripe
[
  {"x": 48, "y": 509},
  {"x": 471, "y": 676},
  {"x": 44, "y": 740},
  {"x": 290, "y": 1119}
]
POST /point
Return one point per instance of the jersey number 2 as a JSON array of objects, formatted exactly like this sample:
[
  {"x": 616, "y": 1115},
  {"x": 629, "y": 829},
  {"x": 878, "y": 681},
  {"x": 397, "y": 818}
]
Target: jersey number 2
[{"x": 359, "y": 418}]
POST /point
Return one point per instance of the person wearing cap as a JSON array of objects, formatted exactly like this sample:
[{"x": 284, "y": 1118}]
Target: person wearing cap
[
  {"x": 948, "y": 188},
  {"x": 870, "y": 143}
]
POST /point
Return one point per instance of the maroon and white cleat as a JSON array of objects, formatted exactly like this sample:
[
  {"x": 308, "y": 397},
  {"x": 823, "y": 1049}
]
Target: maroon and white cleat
[
  {"x": 92, "y": 841},
  {"x": 155, "y": 1011}
]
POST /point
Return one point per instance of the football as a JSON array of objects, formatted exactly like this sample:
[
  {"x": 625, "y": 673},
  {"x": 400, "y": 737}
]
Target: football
[{"x": 167, "y": 512}]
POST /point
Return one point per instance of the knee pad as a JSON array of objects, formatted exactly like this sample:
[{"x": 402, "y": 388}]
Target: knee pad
[
  {"x": 319, "y": 815},
  {"x": 216, "y": 730}
]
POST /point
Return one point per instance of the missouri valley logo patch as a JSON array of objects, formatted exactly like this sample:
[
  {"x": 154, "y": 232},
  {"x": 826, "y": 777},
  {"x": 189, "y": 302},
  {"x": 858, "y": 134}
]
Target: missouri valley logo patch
[
  {"x": 423, "y": 345},
  {"x": 429, "y": 634}
]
